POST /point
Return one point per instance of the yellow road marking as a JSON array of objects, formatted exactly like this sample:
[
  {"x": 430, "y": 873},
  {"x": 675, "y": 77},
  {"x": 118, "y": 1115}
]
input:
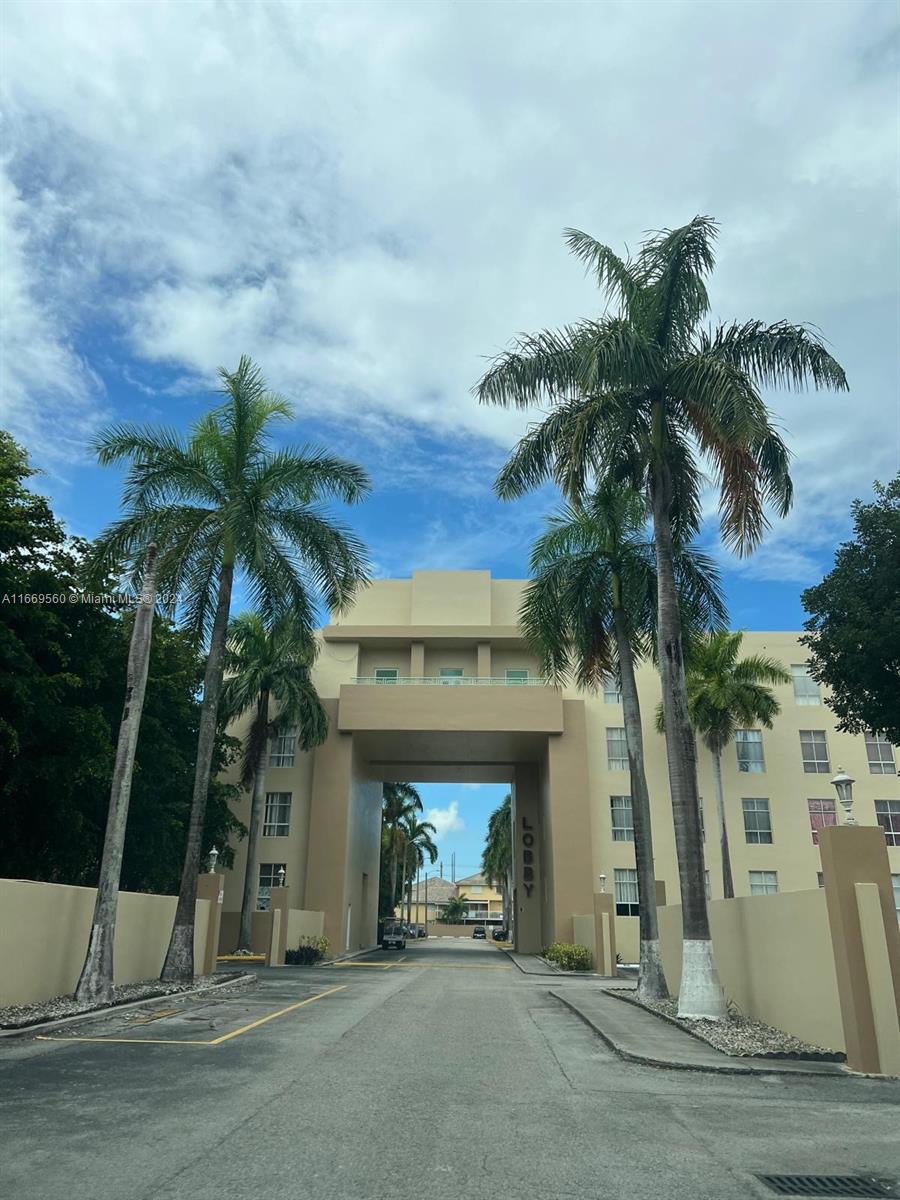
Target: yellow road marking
[{"x": 184, "y": 1042}]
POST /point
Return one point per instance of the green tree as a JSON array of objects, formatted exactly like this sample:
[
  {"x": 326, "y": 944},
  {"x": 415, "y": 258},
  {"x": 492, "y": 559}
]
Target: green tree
[
  {"x": 268, "y": 674},
  {"x": 456, "y": 910},
  {"x": 589, "y": 612},
  {"x": 497, "y": 856},
  {"x": 417, "y": 844},
  {"x": 646, "y": 394},
  {"x": 726, "y": 693},
  {"x": 400, "y": 803},
  {"x": 223, "y": 500},
  {"x": 854, "y": 622}
]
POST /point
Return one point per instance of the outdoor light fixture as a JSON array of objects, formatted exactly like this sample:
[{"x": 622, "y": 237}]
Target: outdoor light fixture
[
  {"x": 602, "y": 883},
  {"x": 844, "y": 786},
  {"x": 213, "y": 856},
  {"x": 281, "y": 876}
]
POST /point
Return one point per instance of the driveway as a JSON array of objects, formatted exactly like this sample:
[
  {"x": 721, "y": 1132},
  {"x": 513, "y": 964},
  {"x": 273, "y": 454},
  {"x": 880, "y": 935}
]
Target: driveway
[{"x": 429, "y": 1073}]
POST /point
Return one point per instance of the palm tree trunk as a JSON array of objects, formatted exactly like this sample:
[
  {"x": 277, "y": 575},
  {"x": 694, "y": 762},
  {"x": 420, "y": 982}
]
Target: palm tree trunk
[
  {"x": 651, "y": 976},
  {"x": 700, "y": 993},
  {"x": 394, "y": 865},
  {"x": 727, "y": 881},
  {"x": 95, "y": 984},
  {"x": 257, "y": 810},
  {"x": 179, "y": 962}
]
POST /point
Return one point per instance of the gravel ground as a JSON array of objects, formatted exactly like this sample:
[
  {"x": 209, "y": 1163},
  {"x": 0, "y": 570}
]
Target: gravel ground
[
  {"x": 20, "y": 1016},
  {"x": 738, "y": 1035}
]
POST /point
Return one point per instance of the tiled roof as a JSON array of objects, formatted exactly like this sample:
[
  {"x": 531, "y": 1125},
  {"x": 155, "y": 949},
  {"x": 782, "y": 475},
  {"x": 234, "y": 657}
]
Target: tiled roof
[
  {"x": 439, "y": 891},
  {"x": 477, "y": 879}
]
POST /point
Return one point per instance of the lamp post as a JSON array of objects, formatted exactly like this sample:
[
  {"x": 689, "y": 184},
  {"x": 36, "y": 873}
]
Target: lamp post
[
  {"x": 281, "y": 874},
  {"x": 213, "y": 857},
  {"x": 843, "y": 785},
  {"x": 602, "y": 883}
]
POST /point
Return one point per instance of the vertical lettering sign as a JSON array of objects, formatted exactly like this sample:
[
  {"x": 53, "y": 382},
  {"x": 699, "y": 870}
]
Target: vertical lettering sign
[{"x": 528, "y": 861}]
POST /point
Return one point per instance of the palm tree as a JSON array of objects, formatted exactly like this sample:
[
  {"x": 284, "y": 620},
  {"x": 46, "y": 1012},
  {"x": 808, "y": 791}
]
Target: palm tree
[
  {"x": 725, "y": 694},
  {"x": 589, "y": 610},
  {"x": 643, "y": 394},
  {"x": 268, "y": 667},
  {"x": 417, "y": 843},
  {"x": 456, "y": 910},
  {"x": 223, "y": 500},
  {"x": 400, "y": 803},
  {"x": 95, "y": 984},
  {"x": 496, "y": 859}
]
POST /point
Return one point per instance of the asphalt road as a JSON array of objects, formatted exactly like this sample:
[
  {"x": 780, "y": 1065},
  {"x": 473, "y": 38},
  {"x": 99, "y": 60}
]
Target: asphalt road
[{"x": 437, "y": 1073}]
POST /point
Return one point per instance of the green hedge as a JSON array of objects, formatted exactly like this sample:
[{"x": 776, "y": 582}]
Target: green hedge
[
  {"x": 570, "y": 958},
  {"x": 311, "y": 950}
]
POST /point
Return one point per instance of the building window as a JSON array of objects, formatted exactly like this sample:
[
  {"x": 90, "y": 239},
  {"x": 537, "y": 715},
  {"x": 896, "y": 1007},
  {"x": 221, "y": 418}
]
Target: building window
[
  {"x": 757, "y": 821},
  {"x": 763, "y": 883},
  {"x": 386, "y": 674},
  {"x": 622, "y": 821},
  {"x": 474, "y": 889},
  {"x": 895, "y": 884},
  {"x": 814, "y": 751},
  {"x": 626, "y": 889},
  {"x": 880, "y": 754},
  {"x": 268, "y": 878},
  {"x": 821, "y": 813},
  {"x": 516, "y": 676},
  {"x": 748, "y": 743},
  {"x": 820, "y": 878},
  {"x": 451, "y": 675},
  {"x": 283, "y": 749},
  {"x": 616, "y": 749},
  {"x": 887, "y": 814},
  {"x": 806, "y": 690},
  {"x": 277, "y": 822},
  {"x": 612, "y": 693}
]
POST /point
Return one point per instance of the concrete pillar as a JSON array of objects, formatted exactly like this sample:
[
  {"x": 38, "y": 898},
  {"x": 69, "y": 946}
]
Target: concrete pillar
[
  {"x": 866, "y": 943},
  {"x": 483, "y": 670},
  {"x": 280, "y": 900},
  {"x": 211, "y": 887},
  {"x": 605, "y": 933},
  {"x": 527, "y": 864},
  {"x": 567, "y": 839},
  {"x": 660, "y": 893},
  {"x": 417, "y": 660}
]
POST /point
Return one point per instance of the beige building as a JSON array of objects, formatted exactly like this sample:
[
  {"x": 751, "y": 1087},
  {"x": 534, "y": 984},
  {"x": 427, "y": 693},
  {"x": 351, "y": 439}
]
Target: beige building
[{"x": 428, "y": 679}]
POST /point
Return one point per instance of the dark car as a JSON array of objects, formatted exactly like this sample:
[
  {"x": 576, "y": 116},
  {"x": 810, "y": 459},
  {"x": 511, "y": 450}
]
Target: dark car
[
  {"x": 500, "y": 935},
  {"x": 422, "y": 931},
  {"x": 478, "y": 932}
]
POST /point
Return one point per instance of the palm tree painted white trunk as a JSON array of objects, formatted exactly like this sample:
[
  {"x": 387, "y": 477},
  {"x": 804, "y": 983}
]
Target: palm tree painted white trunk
[
  {"x": 95, "y": 985},
  {"x": 727, "y": 880},
  {"x": 251, "y": 872}
]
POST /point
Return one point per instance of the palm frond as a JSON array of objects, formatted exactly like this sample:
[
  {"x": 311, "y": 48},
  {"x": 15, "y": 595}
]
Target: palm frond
[{"x": 778, "y": 355}]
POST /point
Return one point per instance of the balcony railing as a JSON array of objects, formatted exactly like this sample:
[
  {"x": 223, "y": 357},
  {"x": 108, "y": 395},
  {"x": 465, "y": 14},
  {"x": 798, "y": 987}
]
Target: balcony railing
[{"x": 451, "y": 681}]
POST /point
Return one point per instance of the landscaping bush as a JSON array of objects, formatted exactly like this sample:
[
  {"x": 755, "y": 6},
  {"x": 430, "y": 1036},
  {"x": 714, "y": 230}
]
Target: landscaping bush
[
  {"x": 311, "y": 950},
  {"x": 568, "y": 957}
]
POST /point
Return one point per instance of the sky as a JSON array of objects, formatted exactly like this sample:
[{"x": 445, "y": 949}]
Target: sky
[
  {"x": 459, "y": 813},
  {"x": 369, "y": 199}
]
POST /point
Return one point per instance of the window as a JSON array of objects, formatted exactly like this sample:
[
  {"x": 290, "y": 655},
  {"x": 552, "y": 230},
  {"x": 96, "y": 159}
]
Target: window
[
  {"x": 814, "y": 751},
  {"x": 475, "y": 888},
  {"x": 895, "y": 883},
  {"x": 748, "y": 743},
  {"x": 283, "y": 749},
  {"x": 820, "y": 879},
  {"x": 268, "y": 878},
  {"x": 880, "y": 754},
  {"x": 806, "y": 690},
  {"x": 616, "y": 749},
  {"x": 622, "y": 821},
  {"x": 887, "y": 814},
  {"x": 763, "y": 883},
  {"x": 451, "y": 675},
  {"x": 626, "y": 889},
  {"x": 277, "y": 821},
  {"x": 386, "y": 675},
  {"x": 821, "y": 813},
  {"x": 757, "y": 821},
  {"x": 612, "y": 693},
  {"x": 516, "y": 676}
]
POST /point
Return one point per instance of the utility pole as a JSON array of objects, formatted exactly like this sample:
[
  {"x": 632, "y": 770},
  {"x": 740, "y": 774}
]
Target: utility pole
[
  {"x": 426, "y": 904},
  {"x": 453, "y": 867}
]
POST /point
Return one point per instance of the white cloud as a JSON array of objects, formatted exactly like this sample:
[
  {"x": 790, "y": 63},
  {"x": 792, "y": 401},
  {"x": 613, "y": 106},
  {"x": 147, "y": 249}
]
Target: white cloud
[{"x": 445, "y": 820}]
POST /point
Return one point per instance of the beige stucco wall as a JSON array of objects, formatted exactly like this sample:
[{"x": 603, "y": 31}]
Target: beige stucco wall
[
  {"x": 44, "y": 935},
  {"x": 303, "y": 923}
]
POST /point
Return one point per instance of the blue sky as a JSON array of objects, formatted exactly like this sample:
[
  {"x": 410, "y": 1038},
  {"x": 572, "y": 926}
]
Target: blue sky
[
  {"x": 368, "y": 198},
  {"x": 459, "y": 813}
]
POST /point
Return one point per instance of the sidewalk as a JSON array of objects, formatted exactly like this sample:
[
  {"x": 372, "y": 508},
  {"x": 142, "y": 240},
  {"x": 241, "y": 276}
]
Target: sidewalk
[
  {"x": 638, "y": 1036},
  {"x": 533, "y": 964}
]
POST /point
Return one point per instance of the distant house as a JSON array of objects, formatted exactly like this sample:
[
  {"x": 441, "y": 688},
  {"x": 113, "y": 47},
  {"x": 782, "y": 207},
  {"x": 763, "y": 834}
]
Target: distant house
[
  {"x": 437, "y": 892},
  {"x": 485, "y": 902}
]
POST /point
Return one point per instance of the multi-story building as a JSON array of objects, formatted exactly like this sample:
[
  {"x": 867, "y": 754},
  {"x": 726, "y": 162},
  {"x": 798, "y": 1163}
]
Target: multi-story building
[{"x": 428, "y": 679}]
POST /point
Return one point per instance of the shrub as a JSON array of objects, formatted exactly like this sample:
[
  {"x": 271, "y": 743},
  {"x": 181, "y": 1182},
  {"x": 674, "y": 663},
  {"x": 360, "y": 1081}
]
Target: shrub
[
  {"x": 568, "y": 957},
  {"x": 311, "y": 950}
]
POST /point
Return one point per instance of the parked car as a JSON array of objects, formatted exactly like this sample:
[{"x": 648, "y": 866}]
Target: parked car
[
  {"x": 394, "y": 936},
  {"x": 500, "y": 935},
  {"x": 422, "y": 931},
  {"x": 478, "y": 932}
]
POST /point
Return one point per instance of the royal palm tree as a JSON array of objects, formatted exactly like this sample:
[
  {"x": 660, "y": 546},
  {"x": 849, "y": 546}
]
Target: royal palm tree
[
  {"x": 95, "y": 984},
  {"x": 726, "y": 693},
  {"x": 222, "y": 500},
  {"x": 417, "y": 844},
  {"x": 400, "y": 803},
  {"x": 645, "y": 394},
  {"x": 589, "y": 612},
  {"x": 268, "y": 673},
  {"x": 496, "y": 859}
]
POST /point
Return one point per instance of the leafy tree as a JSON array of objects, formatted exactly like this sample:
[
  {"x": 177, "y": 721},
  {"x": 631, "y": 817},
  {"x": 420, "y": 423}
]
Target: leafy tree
[
  {"x": 400, "y": 803},
  {"x": 456, "y": 910},
  {"x": 497, "y": 857},
  {"x": 854, "y": 622},
  {"x": 269, "y": 674},
  {"x": 417, "y": 844},
  {"x": 727, "y": 693},
  {"x": 646, "y": 394},
  {"x": 589, "y": 611},
  {"x": 219, "y": 501}
]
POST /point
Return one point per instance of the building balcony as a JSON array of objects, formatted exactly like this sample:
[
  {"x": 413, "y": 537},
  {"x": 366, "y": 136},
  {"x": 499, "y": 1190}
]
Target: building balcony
[
  {"x": 450, "y": 704},
  {"x": 450, "y": 681}
]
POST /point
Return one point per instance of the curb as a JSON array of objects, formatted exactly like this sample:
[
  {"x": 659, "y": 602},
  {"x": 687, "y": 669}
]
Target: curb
[
  {"x": 701, "y": 1068},
  {"x": 27, "y": 1030},
  {"x": 553, "y": 973}
]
